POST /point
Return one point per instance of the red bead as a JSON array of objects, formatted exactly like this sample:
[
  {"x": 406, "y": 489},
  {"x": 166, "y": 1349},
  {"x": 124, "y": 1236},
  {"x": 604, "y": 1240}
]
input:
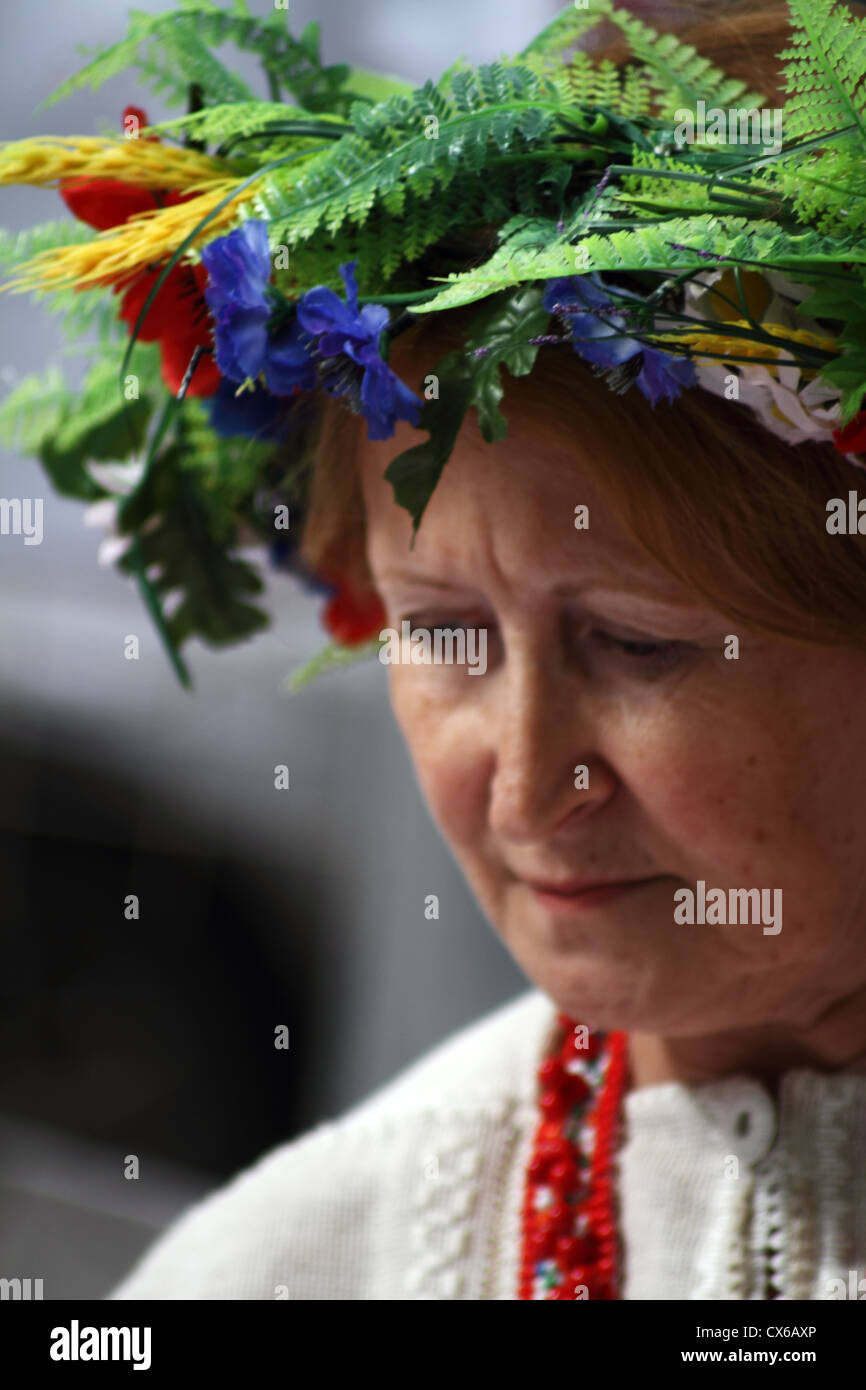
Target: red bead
[
  {"x": 552, "y": 1103},
  {"x": 575, "y": 1250},
  {"x": 569, "y": 1251},
  {"x": 560, "y": 1216},
  {"x": 542, "y": 1244},
  {"x": 550, "y": 1073},
  {"x": 558, "y": 1148},
  {"x": 563, "y": 1175},
  {"x": 548, "y": 1130},
  {"x": 580, "y": 1234},
  {"x": 598, "y": 1201},
  {"x": 577, "y": 1087},
  {"x": 602, "y": 1230}
]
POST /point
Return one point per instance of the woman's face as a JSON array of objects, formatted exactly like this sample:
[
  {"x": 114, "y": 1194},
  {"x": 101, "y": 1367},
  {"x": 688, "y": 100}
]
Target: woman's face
[{"x": 743, "y": 773}]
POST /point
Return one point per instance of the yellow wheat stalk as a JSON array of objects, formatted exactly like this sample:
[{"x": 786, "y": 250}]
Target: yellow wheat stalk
[
  {"x": 144, "y": 240},
  {"x": 718, "y": 343},
  {"x": 48, "y": 159}
]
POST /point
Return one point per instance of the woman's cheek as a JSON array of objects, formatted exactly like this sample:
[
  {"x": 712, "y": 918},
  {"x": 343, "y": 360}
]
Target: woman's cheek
[
  {"x": 685, "y": 765},
  {"x": 723, "y": 802},
  {"x": 449, "y": 758}
]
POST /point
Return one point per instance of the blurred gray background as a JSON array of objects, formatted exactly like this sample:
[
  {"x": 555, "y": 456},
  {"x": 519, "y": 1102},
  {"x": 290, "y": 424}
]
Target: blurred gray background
[{"x": 258, "y": 907}]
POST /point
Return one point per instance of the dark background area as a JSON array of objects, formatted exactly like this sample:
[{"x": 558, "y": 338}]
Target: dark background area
[{"x": 155, "y": 1036}]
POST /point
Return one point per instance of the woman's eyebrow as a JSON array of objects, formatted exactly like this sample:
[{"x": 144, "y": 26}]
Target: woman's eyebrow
[
  {"x": 637, "y": 590},
  {"x": 414, "y": 577}
]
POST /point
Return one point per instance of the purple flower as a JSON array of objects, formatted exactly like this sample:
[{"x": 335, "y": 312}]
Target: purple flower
[
  {"x": 243, "y": 308},
  {"x": 341, "y": 329},
  {"x": 598, "y": 335}
]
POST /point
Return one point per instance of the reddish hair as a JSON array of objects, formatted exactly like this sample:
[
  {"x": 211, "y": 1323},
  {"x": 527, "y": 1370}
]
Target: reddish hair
[{"x": 734, "y": 513}]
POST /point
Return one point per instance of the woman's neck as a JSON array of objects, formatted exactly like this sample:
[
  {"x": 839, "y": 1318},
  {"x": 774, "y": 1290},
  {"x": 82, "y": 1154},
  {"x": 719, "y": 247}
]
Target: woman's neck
[{"x": 835, "y": 1042}]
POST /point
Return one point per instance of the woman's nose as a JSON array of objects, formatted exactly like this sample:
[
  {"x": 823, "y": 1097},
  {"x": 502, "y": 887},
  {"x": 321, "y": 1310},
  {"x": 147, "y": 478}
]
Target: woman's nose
[{"x": 540, "y": 731}]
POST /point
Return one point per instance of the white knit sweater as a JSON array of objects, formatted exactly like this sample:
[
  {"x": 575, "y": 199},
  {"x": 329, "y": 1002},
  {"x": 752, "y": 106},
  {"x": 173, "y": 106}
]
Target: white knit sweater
[{"x": 416, "y": 1193}]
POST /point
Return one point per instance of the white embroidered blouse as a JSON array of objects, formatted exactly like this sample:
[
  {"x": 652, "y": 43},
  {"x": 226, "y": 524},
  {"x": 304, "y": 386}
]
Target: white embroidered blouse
[{"x": 724, "y": 1192}]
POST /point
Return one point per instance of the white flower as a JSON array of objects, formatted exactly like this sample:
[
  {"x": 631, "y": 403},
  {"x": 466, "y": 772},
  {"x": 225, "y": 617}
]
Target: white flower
[
  {"x": 120, "y": 479},
  {"x": 788, "y": 409}
]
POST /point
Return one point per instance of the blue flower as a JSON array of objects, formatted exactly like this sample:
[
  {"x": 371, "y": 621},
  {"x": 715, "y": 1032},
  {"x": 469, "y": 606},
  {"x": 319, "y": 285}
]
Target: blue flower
[
  {"x": 598, "y": 336},
  {"x": 341, "y": 329},
  {"x": 239, "y": 298},
  {"x": 256, "y": 414}
]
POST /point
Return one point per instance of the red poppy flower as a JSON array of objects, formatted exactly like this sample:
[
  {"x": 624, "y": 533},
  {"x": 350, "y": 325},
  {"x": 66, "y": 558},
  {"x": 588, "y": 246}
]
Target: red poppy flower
[
  {"x": 133, "y": 119},
  {"x": 352, "y": 618},
  {"x": 178, "y": 319},
  {"x": 852, "y": 439},
  {"x": 104, "y": 203}
]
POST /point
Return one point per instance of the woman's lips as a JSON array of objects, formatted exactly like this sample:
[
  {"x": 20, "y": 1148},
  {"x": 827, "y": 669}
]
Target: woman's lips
[{"x": 584, "y": 895}]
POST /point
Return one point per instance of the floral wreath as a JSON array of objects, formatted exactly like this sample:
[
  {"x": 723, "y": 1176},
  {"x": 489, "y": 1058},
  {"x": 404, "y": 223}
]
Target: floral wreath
[{"x": 259, "y": 253}]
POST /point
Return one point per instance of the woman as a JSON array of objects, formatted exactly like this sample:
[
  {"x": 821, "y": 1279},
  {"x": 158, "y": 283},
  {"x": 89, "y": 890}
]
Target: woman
[
  {"x": 655, "y": 783},
  {"x": 739, "y": 1172}
]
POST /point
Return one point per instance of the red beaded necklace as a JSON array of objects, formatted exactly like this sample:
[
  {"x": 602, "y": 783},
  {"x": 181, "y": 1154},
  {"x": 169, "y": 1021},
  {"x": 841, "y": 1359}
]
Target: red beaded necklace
[{"x": 569, "y": 1210}]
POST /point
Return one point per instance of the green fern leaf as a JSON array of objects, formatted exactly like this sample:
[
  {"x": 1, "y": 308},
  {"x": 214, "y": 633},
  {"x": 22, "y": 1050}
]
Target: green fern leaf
[
  {"x": 675, "y": 69},
  {"x": 33, "y": 410},
  {"x": 566, "y": 29},
  {"x": 231, "y": 119},
  {"x": 825, "y": 77},
  {"x": 17, "y": 247},
  {"x": 172, "y": 49},
  {"x": 825, "y": 70},
  {"x": 346, "y": 181},
  {"x": 539, "y": 252},
  {"x": 201, "y": 68},
  {"x": 636, "y": 98},
  {"x": 185, "y": 546},
  {"x": 109, "y": 62}
]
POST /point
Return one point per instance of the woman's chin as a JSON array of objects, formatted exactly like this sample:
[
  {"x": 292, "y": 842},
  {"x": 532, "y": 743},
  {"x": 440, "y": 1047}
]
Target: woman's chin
[{"x": 611, "y": 971}]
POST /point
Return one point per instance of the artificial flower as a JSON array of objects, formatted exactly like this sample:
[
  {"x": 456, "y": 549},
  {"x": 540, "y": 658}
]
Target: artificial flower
[
  {"x": 598, "y": 336},
  {"x": 342, "y": 329},
  {"x": 257, "y": 414},
  {"x": 787, "y": 408},
  {"x": 352, "y": 618},
  {"x": 243, "y": 306},
  {"x": 177, "y": 319},
  {"x": 852, "y": 439}
]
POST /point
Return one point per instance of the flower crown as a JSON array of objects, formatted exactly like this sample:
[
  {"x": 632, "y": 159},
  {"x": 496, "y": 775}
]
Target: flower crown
[{"x": 259, "y": 253}]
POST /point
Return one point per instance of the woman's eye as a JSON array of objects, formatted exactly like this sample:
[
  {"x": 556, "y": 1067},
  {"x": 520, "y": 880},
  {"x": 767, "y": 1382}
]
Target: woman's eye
[
  {"x": 425, "y": 623},
  {"x": 655, "y": 653}
]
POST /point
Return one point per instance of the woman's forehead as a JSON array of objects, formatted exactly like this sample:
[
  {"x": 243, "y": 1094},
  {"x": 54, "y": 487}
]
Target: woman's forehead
[{"x": 507, "y": 511}]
